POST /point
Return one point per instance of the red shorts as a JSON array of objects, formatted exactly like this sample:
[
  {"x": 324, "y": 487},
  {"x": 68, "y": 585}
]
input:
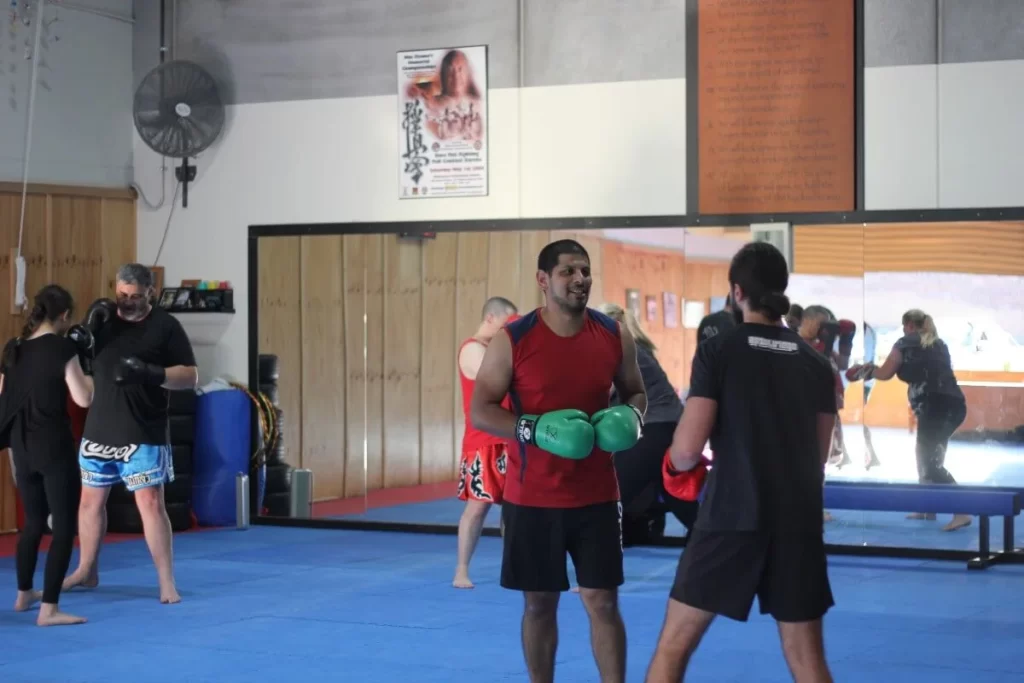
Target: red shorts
[{"x": 482, "y": 473}]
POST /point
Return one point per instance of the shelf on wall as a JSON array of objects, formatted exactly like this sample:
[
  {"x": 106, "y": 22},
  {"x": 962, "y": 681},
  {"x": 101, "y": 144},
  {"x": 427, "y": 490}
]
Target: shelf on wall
[{"x": 204, "y": 327}]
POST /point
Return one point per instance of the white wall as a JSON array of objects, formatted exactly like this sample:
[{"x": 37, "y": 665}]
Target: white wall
[
  {"x": 82, "y": 129},
  {"x": 554, "y": 151},
  {"x": 946, "y": 136}
]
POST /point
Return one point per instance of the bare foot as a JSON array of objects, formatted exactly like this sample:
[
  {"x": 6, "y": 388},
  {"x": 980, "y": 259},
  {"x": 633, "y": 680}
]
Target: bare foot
[
  {"x": 462, "y": 581},
  {"x": 50, "y": 616},
  {"x": 81, "y": 579},
  {"x": 958, "y": 522},
  {"x": 169, "y": 595},
  {"x": 26, "y": 600},
  {"x": 574, "y": 589}
]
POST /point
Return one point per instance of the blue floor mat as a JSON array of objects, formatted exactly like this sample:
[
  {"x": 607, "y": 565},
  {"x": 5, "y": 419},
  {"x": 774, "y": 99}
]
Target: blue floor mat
[{"x": 324, "y": 605}]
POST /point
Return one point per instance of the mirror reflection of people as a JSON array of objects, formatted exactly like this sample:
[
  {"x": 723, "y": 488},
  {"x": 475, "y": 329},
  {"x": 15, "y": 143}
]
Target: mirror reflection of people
[
  {"x": 819, "y": 328},
  {"x": 921, "y": 359},
  {"x": 484, "y": 457},
  {"x": 718, "y": 322},
  {"x": 639, "y": 468},
  {"x": 870, "y": 342},
  {"x": 39, "y": 370}
]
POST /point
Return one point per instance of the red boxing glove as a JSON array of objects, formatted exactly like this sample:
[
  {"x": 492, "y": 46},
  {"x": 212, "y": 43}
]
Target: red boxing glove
[{"x": 684, "y": 485}]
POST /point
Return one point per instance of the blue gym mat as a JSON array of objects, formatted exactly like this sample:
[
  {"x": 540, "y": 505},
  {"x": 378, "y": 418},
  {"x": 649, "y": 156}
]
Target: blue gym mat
[{"x": 290, "y": 605}]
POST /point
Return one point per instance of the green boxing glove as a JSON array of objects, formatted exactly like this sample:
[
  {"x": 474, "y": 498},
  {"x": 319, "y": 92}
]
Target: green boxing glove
[
  {"x": 565, "y": 433},
  {"x": 617, "y": 428}
]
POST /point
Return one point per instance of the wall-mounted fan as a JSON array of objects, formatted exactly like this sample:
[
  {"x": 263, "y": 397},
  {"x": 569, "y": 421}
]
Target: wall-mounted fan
[{"x": 178, "y": 114}]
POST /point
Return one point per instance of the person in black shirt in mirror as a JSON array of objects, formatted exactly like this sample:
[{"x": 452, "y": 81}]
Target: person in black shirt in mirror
[
  {"x": 767, "y": 402},
  {"x": 921, "y": 359},
  {"x": 717, "y": 322},
  {"x": 639, "y": 468},
  {"x": 141, "y": 352},
  {"x": 39, "y": 369}
]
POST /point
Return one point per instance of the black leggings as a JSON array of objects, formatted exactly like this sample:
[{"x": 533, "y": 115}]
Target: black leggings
[
  {"x": 640, "y": 484},
  {"x": 54, "y": 490},
  {"x": 937, "y": 419}
]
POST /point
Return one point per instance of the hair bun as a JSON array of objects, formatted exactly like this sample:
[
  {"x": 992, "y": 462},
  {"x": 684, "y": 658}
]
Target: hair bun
[{"x": 776, "y": 303}]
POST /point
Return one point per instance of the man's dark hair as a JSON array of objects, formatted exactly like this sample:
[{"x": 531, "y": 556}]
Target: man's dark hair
[
  {"x": 548, "y": 258},
  {"x": 498, "y": 305},
  {"x": 762, "y": 273}
]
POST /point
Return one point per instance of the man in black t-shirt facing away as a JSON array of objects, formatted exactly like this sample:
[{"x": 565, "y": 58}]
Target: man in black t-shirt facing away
[
  {"x": 140, "y": 353},
  {"x": 767, "y": 402}
]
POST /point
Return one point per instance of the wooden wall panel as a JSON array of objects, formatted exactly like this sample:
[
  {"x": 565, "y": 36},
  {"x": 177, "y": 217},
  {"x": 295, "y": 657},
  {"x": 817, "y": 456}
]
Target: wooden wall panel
[
  {"x": 471, "y": 283},
  {"x": 323, "y": 363},
  {"x": 529, "y": 296},
  {"x": 77, "y": 253},
  {"x": 73, "y": 236},
  {"x": 503, "y": 257},
  {"x": 403, "y": 269},
  {"x": 280, "y": 331},
  {"x": 437, "y": 359},
  {"x": 356, "y": 404},
  {"x": 375, "y": 319},
  {"x": 118, "y": 242},
  {"x": 836, "y": 250},
  {"x": 980, "y": 248}
]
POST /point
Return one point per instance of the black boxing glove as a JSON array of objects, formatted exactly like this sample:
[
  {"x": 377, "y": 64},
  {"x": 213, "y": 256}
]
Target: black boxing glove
[
  {"x": 134, "y": 371},
  {"x": 827, "y": 334},
  {"x": 99, "y": 314},
  {"x": 86, "y": 345}
]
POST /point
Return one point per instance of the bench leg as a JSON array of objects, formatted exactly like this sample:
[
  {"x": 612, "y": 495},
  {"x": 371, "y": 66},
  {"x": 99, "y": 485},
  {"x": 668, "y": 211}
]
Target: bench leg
[
  {"x": 1008, "y": 535},
  {"x": 984, "y": 558}
]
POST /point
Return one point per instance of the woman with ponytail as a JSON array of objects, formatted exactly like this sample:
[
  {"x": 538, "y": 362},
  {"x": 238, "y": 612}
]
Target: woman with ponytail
[
  {"x": 639, "y": 468},
  {"x": 921, "y": 359},
  {"x": 40, "y": 368}
]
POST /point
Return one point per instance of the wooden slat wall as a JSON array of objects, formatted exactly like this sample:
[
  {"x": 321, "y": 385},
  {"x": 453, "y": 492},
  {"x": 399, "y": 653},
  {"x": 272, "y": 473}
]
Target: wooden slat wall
[
  {"x": 836, "y": 250},
  {"x": 978, "y": 248},
  {"x": 850, "y": 251},
  {"x": 320, "y": 297},
  {"x": 75, "y": 237}
]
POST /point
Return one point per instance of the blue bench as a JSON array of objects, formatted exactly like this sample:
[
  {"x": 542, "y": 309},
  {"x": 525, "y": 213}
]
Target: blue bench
[{"x": 982, "y": 502}]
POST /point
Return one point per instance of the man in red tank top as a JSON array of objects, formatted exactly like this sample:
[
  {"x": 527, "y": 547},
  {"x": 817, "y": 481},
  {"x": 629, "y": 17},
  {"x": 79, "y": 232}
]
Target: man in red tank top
[
  {"x": 558, "y": 364},
  {"x": 482, "y": 466}
]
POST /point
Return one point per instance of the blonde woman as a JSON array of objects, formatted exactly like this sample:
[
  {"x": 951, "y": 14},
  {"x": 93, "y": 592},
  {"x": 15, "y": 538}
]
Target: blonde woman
[
  {"x": 921, "y": 359},
  {"x": 639, "y": 468}
]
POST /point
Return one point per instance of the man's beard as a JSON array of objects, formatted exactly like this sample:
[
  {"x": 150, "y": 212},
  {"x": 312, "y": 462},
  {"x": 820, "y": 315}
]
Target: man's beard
[
  {"x": 574, "y": 302},
  {"x": 133, "y": 311}
]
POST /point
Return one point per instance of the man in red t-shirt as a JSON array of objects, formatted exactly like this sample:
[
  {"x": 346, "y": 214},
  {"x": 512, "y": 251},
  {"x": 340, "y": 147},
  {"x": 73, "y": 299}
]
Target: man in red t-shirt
[
  {"x": 482, "y": 466},
  {"x": 558, "y": 365}
]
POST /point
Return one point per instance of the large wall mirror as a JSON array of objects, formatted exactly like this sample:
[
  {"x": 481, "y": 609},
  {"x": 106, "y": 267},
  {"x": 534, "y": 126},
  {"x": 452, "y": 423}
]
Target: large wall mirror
[{"x": 367, "y": 329}]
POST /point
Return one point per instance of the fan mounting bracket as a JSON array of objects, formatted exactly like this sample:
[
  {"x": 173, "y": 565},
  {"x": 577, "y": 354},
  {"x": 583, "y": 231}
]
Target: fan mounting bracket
[{"x": 186, "y": 173}]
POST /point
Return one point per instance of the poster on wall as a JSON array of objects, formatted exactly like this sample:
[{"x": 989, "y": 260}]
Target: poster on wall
[
  {"x": 633, "y": 302},
  {"x": 442, "y": 117},
  {"x": 671, "y": 306},
  {"x": 652, "y": 309}
]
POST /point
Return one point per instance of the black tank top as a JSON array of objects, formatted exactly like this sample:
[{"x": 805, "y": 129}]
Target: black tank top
[{"x": 35, "y": 397}]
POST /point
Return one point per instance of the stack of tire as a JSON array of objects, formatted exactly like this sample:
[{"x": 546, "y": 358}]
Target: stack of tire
[
  {"x": 122, "y": 513},
  {"x": 277, "y": 493}
]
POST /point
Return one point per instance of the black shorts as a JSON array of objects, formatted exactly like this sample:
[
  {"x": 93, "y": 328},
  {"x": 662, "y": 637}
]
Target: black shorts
[
  {"x": 721, "y": 572},
  {"x": 537, "y": 541}
]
